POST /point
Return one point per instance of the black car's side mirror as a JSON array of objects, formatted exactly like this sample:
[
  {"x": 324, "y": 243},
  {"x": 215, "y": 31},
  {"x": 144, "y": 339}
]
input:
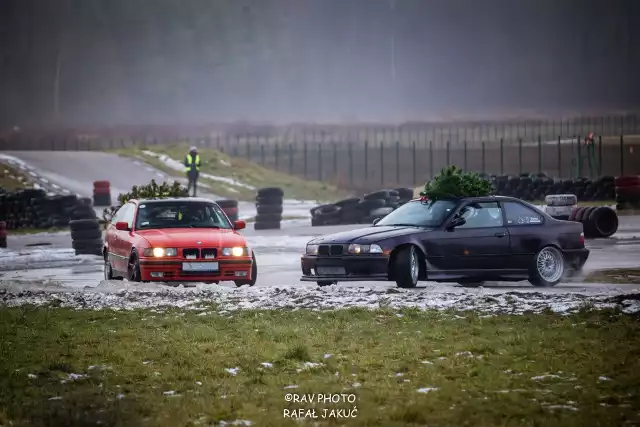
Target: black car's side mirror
[
  {"x": 377, "y": 220},
  {"x": 456, "y": 222}
]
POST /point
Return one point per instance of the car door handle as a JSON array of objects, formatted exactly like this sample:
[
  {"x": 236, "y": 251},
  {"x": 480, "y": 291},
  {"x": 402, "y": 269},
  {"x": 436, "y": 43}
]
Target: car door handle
[{"x": 500, "y": 234}]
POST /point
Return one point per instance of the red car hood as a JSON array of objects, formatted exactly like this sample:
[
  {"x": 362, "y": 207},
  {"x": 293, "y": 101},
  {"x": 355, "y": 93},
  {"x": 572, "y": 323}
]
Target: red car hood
[{"x": 187, "y": 238}]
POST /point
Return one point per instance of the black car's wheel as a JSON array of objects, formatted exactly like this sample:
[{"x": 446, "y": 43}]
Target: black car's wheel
[
  {"x": 406, "y": 267},
  {"x": 471, "y": 284},
  {"x": 254, "y": 274},
  {"x": 326, "y": 283},
  {"x": 133, "y": 270},
  {"x": 108, "y": 270},
  {"x": 548, "y": 267}
]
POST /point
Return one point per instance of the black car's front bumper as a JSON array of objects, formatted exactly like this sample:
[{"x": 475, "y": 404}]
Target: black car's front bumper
[{"x": 357, "y": 268}]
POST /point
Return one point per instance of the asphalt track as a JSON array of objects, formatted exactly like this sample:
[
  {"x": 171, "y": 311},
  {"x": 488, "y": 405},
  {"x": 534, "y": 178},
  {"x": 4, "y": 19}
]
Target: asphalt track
[{"x": 278, "y": 251}]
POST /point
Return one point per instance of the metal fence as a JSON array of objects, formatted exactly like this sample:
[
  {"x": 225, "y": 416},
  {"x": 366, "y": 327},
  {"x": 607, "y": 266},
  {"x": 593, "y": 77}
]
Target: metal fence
[{"x": 372, "y": 158}]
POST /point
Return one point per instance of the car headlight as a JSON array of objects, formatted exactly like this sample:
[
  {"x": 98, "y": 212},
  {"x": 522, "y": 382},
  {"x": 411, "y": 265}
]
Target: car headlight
[
  {"x": 364, "y": 249},
  {"x": 160, "y": 252},
  {"x": 312, "y": 249},
  {"x": 235, "y": 251}
]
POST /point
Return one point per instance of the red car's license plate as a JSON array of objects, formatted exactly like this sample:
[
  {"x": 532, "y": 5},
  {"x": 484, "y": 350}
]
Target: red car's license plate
[{"x": 200, "y": 266}]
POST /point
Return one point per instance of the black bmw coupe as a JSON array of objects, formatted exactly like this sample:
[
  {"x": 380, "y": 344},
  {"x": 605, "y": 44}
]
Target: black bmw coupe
[{"x": 463, "y": 240}]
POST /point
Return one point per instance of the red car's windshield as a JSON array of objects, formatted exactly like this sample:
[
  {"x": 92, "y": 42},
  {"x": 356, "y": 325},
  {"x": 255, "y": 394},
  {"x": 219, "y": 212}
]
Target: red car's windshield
[{"x": 153, "y": 215}]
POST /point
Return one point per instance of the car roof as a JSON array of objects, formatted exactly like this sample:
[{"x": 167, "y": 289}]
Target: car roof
[{"x": 172, "y": 200}]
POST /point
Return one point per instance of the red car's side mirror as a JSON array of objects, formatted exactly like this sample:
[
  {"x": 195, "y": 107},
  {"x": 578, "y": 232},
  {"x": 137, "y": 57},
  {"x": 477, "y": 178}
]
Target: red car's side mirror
[
  {"x": 122, "y": 226},
  {"x": 239, "y": 225}
]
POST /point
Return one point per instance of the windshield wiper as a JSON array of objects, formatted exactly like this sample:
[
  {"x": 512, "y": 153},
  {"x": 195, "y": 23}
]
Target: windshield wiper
[
  {"x": 400, "y": 225},
  {"x": 203, "y": 226}
]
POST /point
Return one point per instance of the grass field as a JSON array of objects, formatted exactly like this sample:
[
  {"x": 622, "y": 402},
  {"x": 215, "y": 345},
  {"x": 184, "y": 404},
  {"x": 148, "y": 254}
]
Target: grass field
[
  {"x": 174, "y": 368},
  {"x": 240, "y": 170},
  {"x": 12, "y": 179}
]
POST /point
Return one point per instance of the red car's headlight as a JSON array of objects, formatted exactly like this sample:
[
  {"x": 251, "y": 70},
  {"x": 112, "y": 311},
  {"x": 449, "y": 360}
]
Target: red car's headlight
[{"x": 160, "y": 252}]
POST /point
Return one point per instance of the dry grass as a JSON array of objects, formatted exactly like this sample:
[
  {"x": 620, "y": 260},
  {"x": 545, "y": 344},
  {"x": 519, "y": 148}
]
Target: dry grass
[
  {"x": 615, "y": 276},
  {"x": 174, "y": 368}
]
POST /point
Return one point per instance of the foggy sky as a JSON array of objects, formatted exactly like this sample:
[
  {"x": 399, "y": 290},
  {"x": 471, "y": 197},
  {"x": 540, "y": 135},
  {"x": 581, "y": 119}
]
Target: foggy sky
[{"x": 313, "y": 60}]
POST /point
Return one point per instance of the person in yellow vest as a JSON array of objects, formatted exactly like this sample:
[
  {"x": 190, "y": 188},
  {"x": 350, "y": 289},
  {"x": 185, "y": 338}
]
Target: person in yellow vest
[{"x": 192, "y": 168}]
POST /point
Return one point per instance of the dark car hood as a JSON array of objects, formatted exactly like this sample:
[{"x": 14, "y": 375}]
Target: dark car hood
[{"x": 367, "y": 235}]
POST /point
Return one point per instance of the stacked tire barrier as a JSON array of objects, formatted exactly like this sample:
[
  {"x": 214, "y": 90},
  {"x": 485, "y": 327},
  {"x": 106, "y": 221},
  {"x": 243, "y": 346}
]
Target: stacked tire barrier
[
  {"x": 533, "y": 187},
  {"x": 86, "y": 236},
  {"x": 101, "y": 193},
  {"x": 560, "y": 206},
  {"x": 230, "y": 208},
  {"x": 33, "y": 208},
  {"x": 361, "y": 210},
  {"x": 597, "y": 221},
  {"x": 269, "y": 208},
  {"x": 627, "y": 190},
  {"x": 3, "y": 234}
]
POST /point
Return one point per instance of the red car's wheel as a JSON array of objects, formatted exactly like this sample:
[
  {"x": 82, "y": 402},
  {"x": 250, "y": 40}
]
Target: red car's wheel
[{"x": 254, "y": 274}]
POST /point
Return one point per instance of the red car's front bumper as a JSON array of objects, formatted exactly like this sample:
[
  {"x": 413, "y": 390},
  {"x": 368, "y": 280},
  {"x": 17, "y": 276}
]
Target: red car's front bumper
[{"x": 154, "y": 270}]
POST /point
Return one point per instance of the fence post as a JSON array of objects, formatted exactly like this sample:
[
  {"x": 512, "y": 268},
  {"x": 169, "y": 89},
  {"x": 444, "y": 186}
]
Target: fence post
[
  {"x": 414, "y": 178},
  {"x": 291, "y": 158},
  {"x": 501, "y": 156},
  {"x": 366, "y": 161},
  {"x": 262, "y": 155},
  {"x": 248, "y": 145},
  {"x": 276, "y": 154},
  {"x": 319, "y": 144},
  {"x": 398, "y": 162},
  {"x": 335, "y": 160},
  {"x": 599, "y": 156},
  {"x": 448, "y": 153},
  {"x": 539, "y": 154},
  {"x": 305, "y": 158},
  {"x": 465, "y": 155},
  {"x": 430, "y": 160},
  {"x": 559, "y": 157},
  {"x": 483, "y": 157},
  {"x": 621, "y": 155},
  {"x": 350, "y": 154},
  {"x": 579, "y": 148},
  {"x": 382, "y": 163},
  {"x": 520, "y": 156}
]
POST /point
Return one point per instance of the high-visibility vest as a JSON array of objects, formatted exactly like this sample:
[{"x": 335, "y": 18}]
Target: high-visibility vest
[{"x": 190, "y": 163}]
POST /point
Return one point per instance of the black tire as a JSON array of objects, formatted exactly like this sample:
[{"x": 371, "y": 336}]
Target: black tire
[
  {"x": 254, "y": 274},
  {"x": 536, "y": 279},
  {"x": 324, "y": 283},
  {"x": 267, "y": 225},
  {"x": 369, "y": 204},
  {"x": 604, "y": 222},
  {"x": 326, "y": 210},
  {"x": 84, "y": 224},
  {"x": 271, "y": 192},
  {"x": 269, "y": 200},
  {"x": 133, "y": 268},
  {"x": 227, "y": 203},
  {"x": 88, "y": 243},
  {"x": 268, "y": 218},
  {"x": 3, "y": 242},
  {"x": 383, "y": 194},
  {"x": 90, "y": 234},
  {"x": 269, "y": 209},
  {"x": 89, "y": 250},
  {"x": 406, "y": 267},
  {"x": 108, "y": 270},
  {"x": 347, "y": 202}
]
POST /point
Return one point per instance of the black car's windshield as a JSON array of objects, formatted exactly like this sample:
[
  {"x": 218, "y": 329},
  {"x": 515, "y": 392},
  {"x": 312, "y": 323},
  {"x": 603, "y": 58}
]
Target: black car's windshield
[
  {"x": 180, "y": 215},
  {"x": 420, "y": 214}
]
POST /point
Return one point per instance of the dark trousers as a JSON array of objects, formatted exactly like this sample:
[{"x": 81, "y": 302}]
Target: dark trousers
[{"x": 193, "y": 181}]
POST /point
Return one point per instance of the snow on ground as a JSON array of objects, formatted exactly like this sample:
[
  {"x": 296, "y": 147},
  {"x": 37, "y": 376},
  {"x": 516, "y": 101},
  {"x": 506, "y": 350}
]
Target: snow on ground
[
  {"x": 39, "y": 182},
  {"x": 35, "y": 258},
  {"x": 227, "y": 300},
  {"x": 179, "y": 166}
]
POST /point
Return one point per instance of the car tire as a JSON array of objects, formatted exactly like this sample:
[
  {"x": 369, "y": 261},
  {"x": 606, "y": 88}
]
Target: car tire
[
  {"x": 548, "y": 267},
  {"x": 133, "y": 269},
  {"x": 324, "y": 283},
  {"x": 254, "y": 274},
  {"x": 108, "y": 270},
  {"x": 406, "y": 267}
]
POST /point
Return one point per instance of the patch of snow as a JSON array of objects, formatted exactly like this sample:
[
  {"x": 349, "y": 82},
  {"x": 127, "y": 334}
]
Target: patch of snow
[
  {"x": 235, "y": 423},
  {"x": 603, "y": 378},
  {"x": 290, "y": 386},
  {"x": 267, "y": 364},
  {"x": 426, "y": 362},
  {"x": 464, "y": 353},
  {"x": 32, "y": 376},
  {"x": 327, "y": 355},
  {"x": 544, "y": 377},
  {"x": 571, "y": 408},
  {"x": 56, "y": 398},
  {"x": 356, "y": 385},
  {"x": 232, "y": 371},
  {"x": 427, "y": 389}
]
